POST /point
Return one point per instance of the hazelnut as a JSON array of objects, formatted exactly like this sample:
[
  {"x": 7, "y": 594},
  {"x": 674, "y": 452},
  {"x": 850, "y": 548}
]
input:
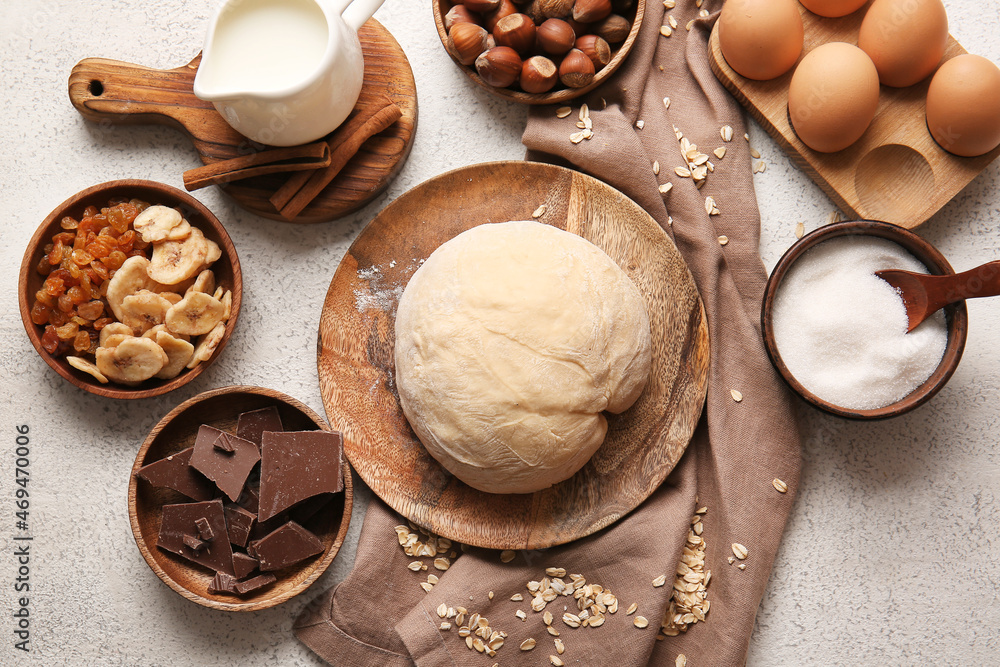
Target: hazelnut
[
  {"x": 516, "y": 31},
  {"x": 506, "y": 8},
  {"x": 458, "y": 14},
  {"x": 466, "y": 41},
  {"x": 596, "y": 49},
  {"x": 588, "y": 11},
  {"x": 499, "y": 67},
  {"x": 555, "y": 37},
  {"x": 555, "y": 9},
  {"x": 576, "y": 70},
  {"x": 482, "y": 6},
  {"x": 534, "y": 10},
  {"x": 538, "y": 75},
  {"x": 614, "y": 29},
  {"x": 579, "y": 28}
]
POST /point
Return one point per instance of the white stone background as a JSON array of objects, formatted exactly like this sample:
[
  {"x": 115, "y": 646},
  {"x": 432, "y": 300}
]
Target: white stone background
[{"x": 892, "y": 555}]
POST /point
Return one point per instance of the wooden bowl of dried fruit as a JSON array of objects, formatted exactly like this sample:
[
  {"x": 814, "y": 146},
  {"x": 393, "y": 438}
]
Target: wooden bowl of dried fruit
[
  {"x": 240, "y": 498},
  {"x": 543, "y": 52},
  {"x": 130, "y": 289}
]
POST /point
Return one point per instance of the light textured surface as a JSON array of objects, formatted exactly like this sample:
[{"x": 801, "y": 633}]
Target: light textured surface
[{"x": 892, "y": 556}]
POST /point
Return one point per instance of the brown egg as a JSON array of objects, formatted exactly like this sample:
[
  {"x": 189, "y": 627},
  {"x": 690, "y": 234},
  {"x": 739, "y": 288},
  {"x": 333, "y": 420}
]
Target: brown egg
[
  {"x": 905, "y": 39},
  {"x": 832, "y": 8},
  {"x": 833, "y": 96},
  {"x": 761, "y": 39},
  {"x": 963, "y": 106}
]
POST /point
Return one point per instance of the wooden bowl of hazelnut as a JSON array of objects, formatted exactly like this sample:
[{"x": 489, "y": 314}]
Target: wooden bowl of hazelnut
[{"x": 538, "y": 51}]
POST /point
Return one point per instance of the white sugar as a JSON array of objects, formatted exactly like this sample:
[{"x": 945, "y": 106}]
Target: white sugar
[{"x": 841, "y": 330}]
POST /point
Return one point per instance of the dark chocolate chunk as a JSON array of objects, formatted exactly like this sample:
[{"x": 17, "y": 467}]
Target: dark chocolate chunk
[
  {"x": 286, "y": 546},
  {"x": 258, "y": 582},
  {"x": 174, "y": 472},
  {"x": 229, "y": 470},
  {"x": 250, "y": 498},
  {"x": 204, "y": 530},
  {"x": 295, "y": 466},
  {"x": 224, "y": 444},
  {"x": 239, "y": 521},
  {"x": 244, "y": 564},
  {"x": 193, "y": 542},
  {"x": 179, "y": 521},
  {"x": 223, "y": 583},
  {"x": 251, "y": 425}
]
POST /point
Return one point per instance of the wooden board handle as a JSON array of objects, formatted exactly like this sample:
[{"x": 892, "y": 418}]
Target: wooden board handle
[{"x": 121, "y": 93}]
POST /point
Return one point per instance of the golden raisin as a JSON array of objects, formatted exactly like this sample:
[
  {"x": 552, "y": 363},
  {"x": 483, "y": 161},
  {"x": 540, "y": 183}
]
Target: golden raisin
[
  {"x": 40, "y": 313},
  {"x": 81, "y": 342},
  {"x": 91, "y": 310},
  {"x": 68, "y": 223},
  {"x": 102, "y": 322},
  {"x": 50, "y": 341}
]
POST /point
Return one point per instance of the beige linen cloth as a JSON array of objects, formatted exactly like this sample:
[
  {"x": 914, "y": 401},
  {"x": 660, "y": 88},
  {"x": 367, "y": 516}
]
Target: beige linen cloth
[{"x": 380, "y": 616}]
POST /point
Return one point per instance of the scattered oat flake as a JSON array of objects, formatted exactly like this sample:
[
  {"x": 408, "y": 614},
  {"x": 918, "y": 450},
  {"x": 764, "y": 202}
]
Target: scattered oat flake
[
  {"x": 540, "y": 211},
  {"x": 672, "y": 21},
  {"x": 631, "y": 609},
  {"x": 415, "y": 565},
  {"x": 690, "y": 24},
  {"x": 683, "y": 172},
  {"x": 698, "y": 3},
  {"x": 754, "y": 153},
  {"x": 584, "y": 111},
  {"x": 432, "y": 579},
  {"x": 656, "y": 168},
  {"x": 528, "y": 644},
  {"x": 665, "y": 188},
  {"x": 555, "y": 572},
  {"x": 442, "y": 610},
  {"x": 659, "y": 581},
  {"x": 760, "y": 167},
  {"x": 666, "y": 102},
  {"x": 552, "y": 631},
  {"x": 731, "y": 560},
  {"x": 726, "y": 132},
  {"x": 445, "y": 626},
  {"x": 576, "y": 137},
  {"x": 442, "y": 563},
  {"x": 709, "y": 204},
  {"x": 426, "y": 586},
  {"x": 800, "y": 230},
  {"x": 506, "y": 556},
  {"x": 556, "y": 661},
  {"x": 516, "y": 597},
  {"x": 742, "y": 566},
  {"x": 562, "y": 112},
  {"x": 547, "y": 618},
  {"x": 740, "y": 551},
  {"x": 681, "y": 661},
  {"x": 640, "y": 123},
  {"x": 669, "y": 4},
  {"x": 736, "y": 394},
  {"x": 723, "y": 240},
  {"x": 703, "y": 13},
  {"x": 779, "y": 485},
  {"x": 720, "y": 152},
  {"x": 520, "y": 614},
  {"x": 666, "y": 31},
  {"x": 640, "y": 622}
]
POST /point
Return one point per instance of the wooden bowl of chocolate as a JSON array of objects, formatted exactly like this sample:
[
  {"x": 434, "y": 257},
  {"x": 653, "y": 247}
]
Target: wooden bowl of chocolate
[
  {"x": 837, "y": 332},
  {"x": 130, "y": 289},
  {"x": 538, "y": 52},
  {"x": 240, "y": 498}
]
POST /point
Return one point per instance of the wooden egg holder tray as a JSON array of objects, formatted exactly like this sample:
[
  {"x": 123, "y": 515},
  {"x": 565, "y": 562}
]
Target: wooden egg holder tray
[
  {"x": 896, "y": 172},
  {"x": 117, "y": 93}
]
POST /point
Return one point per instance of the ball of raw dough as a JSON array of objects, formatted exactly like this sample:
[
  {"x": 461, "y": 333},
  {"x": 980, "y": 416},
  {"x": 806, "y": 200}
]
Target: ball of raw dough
[{"x": 511, "y": 340}]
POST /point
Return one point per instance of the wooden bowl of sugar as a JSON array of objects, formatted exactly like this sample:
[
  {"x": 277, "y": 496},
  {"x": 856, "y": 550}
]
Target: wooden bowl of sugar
[{"x": 836, "y": 333}]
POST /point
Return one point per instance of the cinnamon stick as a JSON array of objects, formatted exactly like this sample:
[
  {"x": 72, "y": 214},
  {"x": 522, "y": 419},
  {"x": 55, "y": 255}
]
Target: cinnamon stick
[
  {"x": 272, "y": 161},
  {"x": 303, "y": 187}
]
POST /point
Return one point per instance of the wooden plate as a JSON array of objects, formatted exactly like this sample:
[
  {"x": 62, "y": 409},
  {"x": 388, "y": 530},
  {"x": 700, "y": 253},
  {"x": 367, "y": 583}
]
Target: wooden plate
[
  {"x": 115, "y": 93},
  {"x": 895, "y": 172},
  {"x": 357, "y": 372},
  {"x": 177, "y": 431},
  {"x": 226, "y": 268},
  {"x": 618, "y": 54}
]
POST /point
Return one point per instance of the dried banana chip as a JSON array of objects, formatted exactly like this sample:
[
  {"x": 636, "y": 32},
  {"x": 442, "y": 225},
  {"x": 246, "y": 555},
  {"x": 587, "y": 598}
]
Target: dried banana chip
[
  {"x": 179, "y": 353},
  {"x": 114, "y": 329},
  {"x": 133, "y": 360},
  {"x": 161, "y": 223},
  {"x": 206, "y": 347},
  {"x": 82, "y": 364},
  {"x": 196, "y": 314},
  {"x": 144, "y": 310},
  {"x": 176, "y": 261},
  {"x": 205, "y": 282},
  {"x": 130, "y": 277}
]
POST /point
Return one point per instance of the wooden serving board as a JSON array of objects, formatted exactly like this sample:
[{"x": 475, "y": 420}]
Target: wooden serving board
[
  {"x": 357, "y": 369},
  {"x": 896, "y": 172},
  {"x": 110, "y": 91}
]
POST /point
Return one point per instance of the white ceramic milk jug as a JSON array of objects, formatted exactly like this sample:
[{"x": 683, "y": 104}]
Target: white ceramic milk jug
[{"x": 284, "y": 72}]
